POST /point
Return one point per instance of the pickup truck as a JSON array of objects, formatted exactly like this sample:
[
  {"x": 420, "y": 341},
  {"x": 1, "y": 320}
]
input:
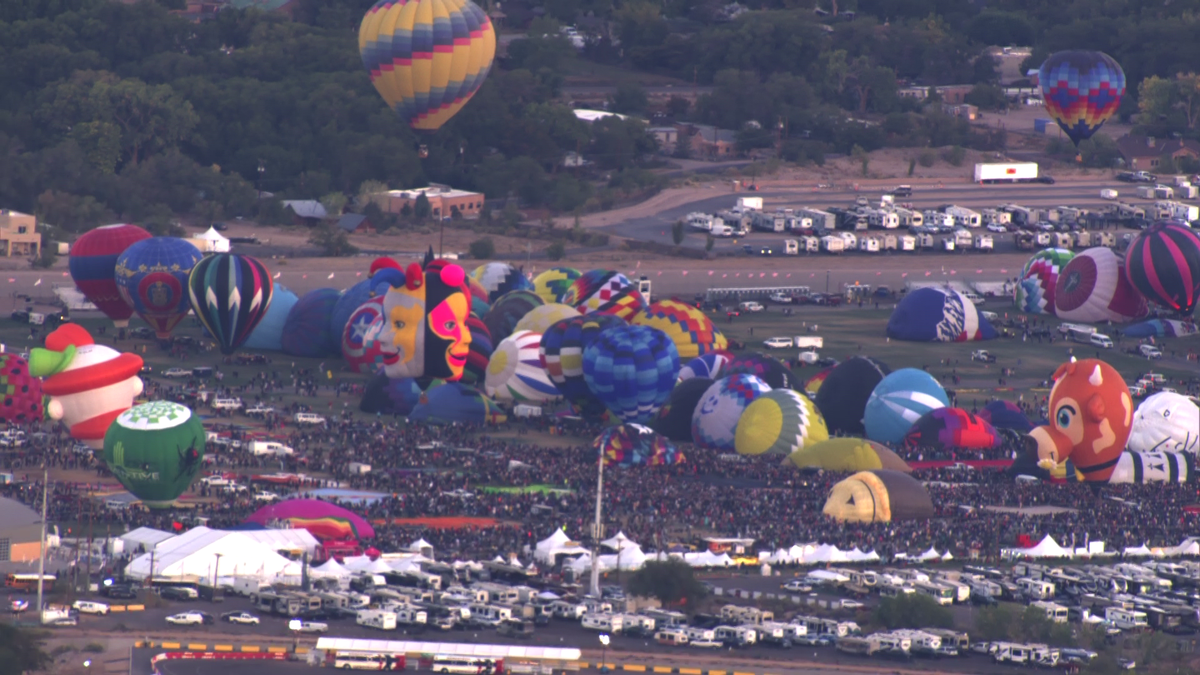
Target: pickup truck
[
  {"x": 304, "y": 626},
  {"x": 983, "y": 355},
  {"x": 259, "y": 410}
]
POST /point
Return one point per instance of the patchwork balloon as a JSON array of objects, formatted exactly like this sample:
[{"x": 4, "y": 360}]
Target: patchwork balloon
[
  {"x": 230, "y": 294},
  {"x": 715, "y": 419},
  {"x": 605, "y": 292},
  {"x": 552, "y": 284},
  {"x": 635, "y": 445},
  {"x": 561, "y": 353},
  {"x": 1081, "y": 90},
  {"x": 498, "y": 278},
  {"x": 766, "y": 368},
  {"x": 689, "y": 328},
  {"x": 21, "y": 398},
  {"x": 1035, "y": 287},
  {"x": 631, "y": 370}
]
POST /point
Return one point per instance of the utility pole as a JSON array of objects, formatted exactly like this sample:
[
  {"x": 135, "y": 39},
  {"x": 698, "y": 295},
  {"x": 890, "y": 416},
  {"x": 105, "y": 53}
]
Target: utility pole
[
  {"x": 216, "y": 569},
  {"x": 597, "y": 529},
  {"x": 42, "y": 556}
]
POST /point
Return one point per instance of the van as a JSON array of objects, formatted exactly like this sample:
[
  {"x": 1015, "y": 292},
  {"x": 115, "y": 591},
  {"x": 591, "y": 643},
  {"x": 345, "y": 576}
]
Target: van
[
  {"x": 270, "y": 448},
  {"x": 1100, "y": 340},
  {"x": 750, "y": 306},
  {"x": 1150, "y": 351},
  {"x": 309, "y": 418},
  {"x": 226, "y": 403},
  {"x": 671, "y": 638}
]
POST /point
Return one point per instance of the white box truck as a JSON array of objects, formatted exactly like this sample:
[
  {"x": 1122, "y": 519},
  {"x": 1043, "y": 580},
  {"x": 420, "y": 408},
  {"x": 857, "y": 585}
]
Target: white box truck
[
  {"x": 750, "y": 203},
  {"x": 1010, "y": 172}
]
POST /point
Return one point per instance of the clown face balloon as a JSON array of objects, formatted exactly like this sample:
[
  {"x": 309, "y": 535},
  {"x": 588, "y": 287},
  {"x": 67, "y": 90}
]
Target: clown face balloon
[{"x": 422, "y": 331}]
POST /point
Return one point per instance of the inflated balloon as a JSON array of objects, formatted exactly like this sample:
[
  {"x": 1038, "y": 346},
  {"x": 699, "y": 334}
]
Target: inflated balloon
[
  {"x": 1035, "y": 287},
  {"x": 362, "y": 354},
  {"x": 951, "y": 429},
  {"x": 766, "y": 368},
  {"x": 21, "y": 398},
  {"x": 539, "y": 319},
  {"x": 230, "y": 294},
  {"x": 1091, "y": 414},
  {"x": 898, "y": 401},
  {"x": 479, "y": 297},
  {"x": 674, "y": 419},
  {"x": 1157, "y": 466},
  {"x": 779, "y": 422},
  {"x": 475, "y": 369},
  {"x": 631, "y": 370},
  {"x": 1006, "y": 415},
  {"x": 689, "y": 328},
  {"x": 1166, "y": 422},
  {"x": 847, "y": 454},
  {"x": 456, "y": 403},
  {"x": 425, "y": 58},
  {"x": 813, "y": 384},
  {"x": 708, "y": 366},
  {"x": 424, "y": 330},
  {"x": 155, "y": 450},
  {"x": 515, "y": 373},
  {"x": 1081, "y": 90},
  {"x": 1163, "y": 264},
  {"x": 499, "y": 278},
  {"x": 93, "y": 265},
  {"x": 552, "y": 284},
  {"x": 605, "y": 292},
  {"x": 1161, "y": 328},
  {"x": 508, "y": 310},
  {"x": 308, "y": 332},
  {"x": 715, "y": 420},
  {"x": 348, "y": 302},
  {"x": 879, "y": 496},
  {"x": 938, "y": 315},
  {"x": 386, "y": 396},
  {"x": 89, "y": 385},
  {"x": 635, "y": 445},
  {"x": 325, "y": 521},
  {"x": 268, "y": 335},
  {"x": 152, "y": 277},
  {"x": 1093, "y": 288},
  {"x": 842, "y": 397},
  {"x": 562, "y": 350}
]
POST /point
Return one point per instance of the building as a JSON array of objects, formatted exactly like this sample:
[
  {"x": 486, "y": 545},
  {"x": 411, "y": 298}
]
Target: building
[
  {"x": 443, "y": 201},
  {"x": 306, "y": 211},
  {"x": 18, "y": 234},
  {"x": 950, "y": 93},
  {"x": 20, "y": 532},
  {"x": 963, "y": 110},
  {"x": 355, "y": 223},
  {"x": 666, "y": 136},
  {"x": 711, "y": 142},
  {"x": 1146, "y": 153}
]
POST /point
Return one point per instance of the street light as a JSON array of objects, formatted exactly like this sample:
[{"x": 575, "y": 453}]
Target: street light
[{"x": 604, "y": 640}]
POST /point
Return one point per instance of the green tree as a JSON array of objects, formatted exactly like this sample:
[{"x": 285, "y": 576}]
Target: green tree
[
  {"x": 672, "y": 581},
  {"x": 556, "y": 251},
  {"x": 683, "y": 146},
  {"x": 1175, "y": 102},
  {"x": 365, "y": 190},
  {"x": 997, "y": 623},
  {"x": 912, "y": 611},
  {"x": 334, "y": 203},
  {"x": 332, "y": 240},
  {"x": 678, "y": 232},
  {"x": 954, "y": 155},
  {"x": 422, "y": 209},
  {"x": 987, "y": 97},
  {"x": 482, "y": 249},
  {"x": 47, "y": 255},
  {"x": 21, "y": 650},
  {"x": 629, "y": 99}
]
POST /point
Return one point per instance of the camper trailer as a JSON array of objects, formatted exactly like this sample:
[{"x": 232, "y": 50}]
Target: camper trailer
[
  {"x": 833, "y": 244},
  {"x": 964, "y": 217},
  {"x": 376, "y": 618}
]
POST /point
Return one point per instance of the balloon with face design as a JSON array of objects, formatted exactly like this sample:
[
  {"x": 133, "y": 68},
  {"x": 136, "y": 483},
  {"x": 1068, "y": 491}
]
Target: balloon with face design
[
  {"x": 879, "y": 496},
  {"x": 1166, "y": 422},
  {"x": 1091, "y": 413},
  {"x": 423, "y": 330}
]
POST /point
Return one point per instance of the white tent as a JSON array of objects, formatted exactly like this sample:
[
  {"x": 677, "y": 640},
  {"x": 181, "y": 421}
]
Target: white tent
[
  {"x": 199, "y": 551},
  {"x": 210, "y": 242},
  {"x": 1046, "y": 548},
  {"x": 1142, "y": 551},
  {"x": 145, "y": 537},
  {"x": 825, "y": 553},
  {"x": 618, "y": 543},
  {"x": 331, "y": 568},
  {"x": 295, "y": 541},
  {"x": 1189, "y": 546},
  {"x": 629, "y": 559},
  {"x": 378, "y": 567},
  {"x": 548, "y": 549},
  {"x": 355, "y": 563},
  {"x": 856, "y": 555},
  {"x": 423, "y": 547},
  {"x": 931, "y": 554}
]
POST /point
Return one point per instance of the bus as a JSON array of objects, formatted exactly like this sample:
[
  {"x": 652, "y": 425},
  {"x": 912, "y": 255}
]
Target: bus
[
  {"x": 357, "y": 661},
  {"x": 940, "y": 594},
  {"x": 28, "y": 583},
  {"x": 467, "y": 665}
]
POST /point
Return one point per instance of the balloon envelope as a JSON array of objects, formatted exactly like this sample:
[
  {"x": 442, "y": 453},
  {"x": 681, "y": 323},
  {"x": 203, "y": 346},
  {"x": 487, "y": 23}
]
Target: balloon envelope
[
  {"x": 498, "y": 278},
  {"x": 938, "y": 315},
  {"x": 1165, "y": 422},
  {"x": 766, "y": 368},
  {"x": 847, "y": 454},
  {"x": 362, "y": 354},
  {"x": 689, "y": 328},
  {"x": 1081, "y": 90},
  {"x": 386, "y": 396},
  {"x": 709, "y": 366},
  {"x": 1006, "y": 415},
  {"x": 268, "y": 334},
  {"x": 952, "y": 429},
  {"x": 515, "y": 372},
  {"x": 552, "y": 284},
  {"x": 1035, "y": 287},
  {"x": 1163, "y": 264},
  {"x": 348, "y": 302},
  {"x": 635, "y": 445},
  {"x": 715, "y": 420},
  {"x": 93, "y": 264},
  {"x": 674, "y": 419},
  {"x": 475, "y": 370},
  {"x": 507, "y": 311},
  {"x": 879, "y": 496},
  {"x": 779, "y": 422},
  {"x": 22, "y": 401},
  {"x": 155, "y": 450},
  {"x": 605, "y": 292},
  {"x": 843, "y": 395},
  {"x": 561, "y": 353},
  {"x": 230, "y": 294},
  {"x": 455, "y": 402},
  {"x": 898, "y": 401},
  {"x": 539, "y": 319},
  {"x": 152, "y": 278},
  {"x": 308, "y": 331},
  {"x": 631, "y": 370},
  {"x": 1093, "y": 288},
  {"x": 323, "y": 520}
]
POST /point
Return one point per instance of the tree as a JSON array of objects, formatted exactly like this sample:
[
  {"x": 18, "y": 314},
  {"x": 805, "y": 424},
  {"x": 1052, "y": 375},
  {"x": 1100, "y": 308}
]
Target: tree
[
  {"x": 20, "y": 650},
  {"x": 678, "y": 232},
  {"x": 912, "y": 610},
  {"x": 1169, "y": 103},
  {"x": 671, "y": 581},
  {"x": 862, "y": 157},
  {"x": 556, "y": 251},
  {"x": 47, "y": 255},
  {"x": 996, "y": 623},
  {"x": 482, "y": 249},
  {"x": 332, "y": 240},
  {"x": 987, "y": 97},
  {"x": 334, "y": 203},
  {"x": 629, "y": 99},
  {"x": 683, "y": 146},
  {"x": 422, "y": 209}
]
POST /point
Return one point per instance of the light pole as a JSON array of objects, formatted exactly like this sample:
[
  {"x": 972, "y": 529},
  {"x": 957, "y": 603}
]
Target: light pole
[
  {"x": 262, "y": 168},
  {"x": 604, "y": 640},
  {"x": 216, "y": 568},
  {"x": 597, "y": 530}
]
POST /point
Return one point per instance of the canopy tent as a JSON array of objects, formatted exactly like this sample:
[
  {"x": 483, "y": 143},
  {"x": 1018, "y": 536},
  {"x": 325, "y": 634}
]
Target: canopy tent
[
  {"x": 630, "y": 558},
  {"x": 619, "y": 542},
  {"x": 856, "y": 555},
  {"x": 331, "y": 568},
  {"x": 207, "y": 553},
  {"x": 1142, "y": 551},
  {"x": 558, "y": 544},
  {"x": 294, "y": 541},
  {"x": 356, "y": 563},
  {"x": 1189, "y": 546},
  {"x": 210, "y": 241},
  {"x": 144, "y": 539},
  {"x": 423, "y": 547},
  {"x": 931, "y": 554},
  {"x": 1046, "y": 548}
]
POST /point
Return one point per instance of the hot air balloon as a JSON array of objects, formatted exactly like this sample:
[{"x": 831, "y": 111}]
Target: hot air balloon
[
  {"x": 605, "y": 292},
  {"x": 552, "y": 284},
  {"x": 674, "y": 419},
  {"x": 779, "y": 422},
  {"x": 1081, "y": 90},
  {"x": 308, "y": 331},
  {"x": 362, "y": 354},
  {"x": 1091, "y": 413},
  {"x": 515, "y": 371},
  {"x": 386, "y": 396},
  {"x": 475, "y": 370},
  {"x": 498, "y": 278},
  {"x": 424, "y": 330},
  {"x": 635, "y": 445},
  {"x": 898, "y": 401},
  {"x": 230, "y": 294},
  {"x": 152, "y": 277},
  {"x": 1163, "y": 263},
  {"x": 938, "y": 315},
  {"x": 268, "y": 335},
  {"x": 1165, "y": 422},
  {"x": 1161, "y": 328},
  {"x": 508, "y": 310},
  {"x": 847, "y": 454},
  {"x": 766, "y": 368},
  {"x": 1035, "y": 287},
  {"x": 715, "y": 420},
  {"x": 93, "y": 265},
  {"x": 1093, "y": 288},
  {"x": 879, "y": 496},
  {"x": 155, "y": 450},
  {"x": 348, "y": 302},
  {"x": 692, "y": 332},
  {"x": 22, "y": 399},
  {"x": 951, "y": 429},
  {"x": 813, "y": 384},
  {"x": 426, "y": 58},
  {"x": 708, "y": 366},
  {"x": 1006, "y": 415},
  {"x": 479, "y": 297},
  {"x": 323, "y": 520},
  {"x": 631, "y": 370},
  {"x": 539, "y": 319},
  {"x": 561, "y": 352},
  {"x": 842, "y": 397},
  {"x": 455, "y": 402}
]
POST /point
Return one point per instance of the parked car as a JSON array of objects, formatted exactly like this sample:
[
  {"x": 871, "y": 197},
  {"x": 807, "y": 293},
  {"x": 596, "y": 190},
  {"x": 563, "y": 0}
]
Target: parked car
[
  {"x": 983, "y": 355},
  {"x": 244, "y": 618},
  {"x": 996, "y": 227},
  {"x": 126, "y": 591},
  {"x": 304, "y": 626},
  {"x": 189, "y": 619},
  {"x": 259, "y": 410},
  {"x": 90, "y": 607},
  {"x": 797, "y": 586},
  {"x": 176, "y": 372},
  {"x": 778, "y": 342},
  {"x": 178, "y": 593}
]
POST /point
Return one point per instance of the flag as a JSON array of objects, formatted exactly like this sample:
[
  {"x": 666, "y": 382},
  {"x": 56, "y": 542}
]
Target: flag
[
  {"x": 904, "y": 274},
  {"x": 277, "y": 274},
  {"x": 358, "y": 274},
  {"x": 330, "y": 276},
  {"x": 774, "y": 274},
  {"x": 928, "y": 273},
  {"x": 710, "y": 273},
  {"x": 38, "y": 282},
  {"x": 685, "y": 273}
]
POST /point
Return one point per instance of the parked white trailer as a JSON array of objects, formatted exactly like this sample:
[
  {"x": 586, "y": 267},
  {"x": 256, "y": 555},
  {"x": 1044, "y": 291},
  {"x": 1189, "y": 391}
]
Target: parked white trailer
[
  {"x": 909, "y": 217},
  {"x": 964, "y": 217},
  {"x": 908, "y": 243},
  {"x": 1006, "y": 172},
  {"x": 754, "y": 203},
  {"x": 833, "y": 244}
]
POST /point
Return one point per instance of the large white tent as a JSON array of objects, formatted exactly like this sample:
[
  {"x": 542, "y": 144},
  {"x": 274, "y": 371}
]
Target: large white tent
[
  {"x": 205, "y": 553},
  {"x": 619, "y": 542},
  {"x": 210, "y": 241},
  {"x": 144, "y": 539},
  {"x": 295, "y": 541},
  {"x": 549, "y": 549}
]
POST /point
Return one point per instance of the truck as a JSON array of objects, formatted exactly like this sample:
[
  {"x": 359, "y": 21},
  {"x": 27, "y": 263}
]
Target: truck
[
  {"x": 1006, "y": 172},
  {"x": 753, "y": 203},
  {"x": 983, "y": 355},
  {"x": 270, "y": 448}
]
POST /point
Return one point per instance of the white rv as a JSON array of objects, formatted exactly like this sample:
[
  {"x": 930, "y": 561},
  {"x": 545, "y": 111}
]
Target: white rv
[{"x": 376, "y": 618}]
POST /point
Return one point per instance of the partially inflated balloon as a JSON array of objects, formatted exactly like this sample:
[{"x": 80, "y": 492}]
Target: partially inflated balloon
[
  {"x": 631, "y": 370},
  {"x": 456, "y": 403},
  {"x": 843, "y": 395},
  {"x": 152, "y": 278},
  {"x": 21, "y": 398},
  {"x": 1081, "y": 90},
  {"x": 1163, "y": 263},
  {"x": 951, "y": 429},
  {"x": 1035, "y": 287},
  {"x": 879, "y": 496},
  {"x": 846, "y": 454},
  {"x": 692, "y": 332},
  {"x": 362, "y": 354},
  {"x": 230, "y": 294},
  {"x": 674, "y": 419},
  {"x": 508, "y": 310},
  {"x": 552, "y": 284},
  {"x": 539, "y": 319},
  {"x": 635, "y": 445},
  {"x": 938, "y": 315},
  {"x": 605, "y": 292},
  {"x": 1093, "y": 288},
  {"x": 708, "y": 366},
  {"x": 779, "y": 422},
  {"x": 155, "y": 450},
  {"x": 766, "y": 368},
  {"x": 1165, "y": 422},
  {"x": 715, "y": 420},
  {"x": 898, "y": 401},
  {"x": 386, "y": 396},
  {"x": 268, "y": 335},
  {"x": 426, "y": 58},
  {"x": 308, "y": 331},
  {"x": 93, "y": 265},
  {"x": 498, "y": 278},
  {"x": 515, "y": 373},
  {"x": 561, "y": 352}
]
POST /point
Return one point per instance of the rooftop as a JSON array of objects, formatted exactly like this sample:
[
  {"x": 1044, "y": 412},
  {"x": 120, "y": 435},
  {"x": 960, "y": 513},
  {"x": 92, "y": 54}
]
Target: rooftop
[{"x": 432, "y": 191}]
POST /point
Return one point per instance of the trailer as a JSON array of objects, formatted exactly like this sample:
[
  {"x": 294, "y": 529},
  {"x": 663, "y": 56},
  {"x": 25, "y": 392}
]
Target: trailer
[
  {"x": 833, "y": 244},
  {"x": 752, "y": 203},
  {"x": 811, "y": 244},
  {"x": 768, "y": 222},
  {"x": 926, "y": 241},
  {"x": 1006, "y": 172},
  {"x": 909, "y": 218},
  {"x": 984, "y": 242},
  {"x": 868, "y": 245},
  {"x": 699, "y": 221},
  {"x": 890, "y": 242},
  {"x": 821, "y": 220},
  {"x": 964, "y": 217}
]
